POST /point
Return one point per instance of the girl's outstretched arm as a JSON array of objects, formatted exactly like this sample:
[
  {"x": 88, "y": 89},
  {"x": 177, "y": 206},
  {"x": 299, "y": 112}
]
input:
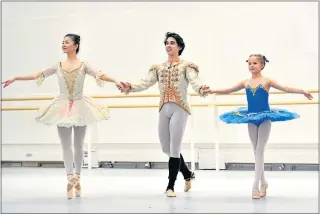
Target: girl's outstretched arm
[
  {"x": 235, "y": 88},
  {"x": 276, "y": 85}
]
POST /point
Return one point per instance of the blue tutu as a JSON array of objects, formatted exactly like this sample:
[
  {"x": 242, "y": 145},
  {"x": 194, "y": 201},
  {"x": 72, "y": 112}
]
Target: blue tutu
[
  {"x": 258, "y": 110},
  {"x": 243, "y": 116}
]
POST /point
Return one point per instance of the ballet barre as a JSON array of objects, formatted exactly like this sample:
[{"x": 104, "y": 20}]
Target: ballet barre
[
  {"x": 214, "y": 105},
  {"x": 137, "y": 95}
]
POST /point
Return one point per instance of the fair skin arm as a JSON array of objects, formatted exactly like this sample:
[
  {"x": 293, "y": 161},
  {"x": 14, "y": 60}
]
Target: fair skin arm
[
  {"x": 108, "y": 78},
  {"x": 102, "y": 76},
  {"x": 276, "y": 85},
  {"x": 32, "y": 76},
  {"x": 235, "y": 88}
]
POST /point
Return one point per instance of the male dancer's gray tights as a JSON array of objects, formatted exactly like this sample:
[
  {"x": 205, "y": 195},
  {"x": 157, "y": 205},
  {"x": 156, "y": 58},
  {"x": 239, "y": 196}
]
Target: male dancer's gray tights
[
  {"x": 172, "y": 123},
  {"x": 259, "y": 136},
  {"x": 65, "y": 134}
]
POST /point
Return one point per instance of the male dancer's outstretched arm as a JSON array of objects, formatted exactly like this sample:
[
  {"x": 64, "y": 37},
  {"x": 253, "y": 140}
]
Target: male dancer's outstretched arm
[{"x": 144, "y": 84}]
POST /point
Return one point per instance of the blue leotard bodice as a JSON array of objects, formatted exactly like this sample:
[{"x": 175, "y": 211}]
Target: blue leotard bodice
[{"x": 258, "y": 99}]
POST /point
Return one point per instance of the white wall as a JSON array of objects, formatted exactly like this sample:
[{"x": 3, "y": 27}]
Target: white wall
[{"x": 125, "y": 39}]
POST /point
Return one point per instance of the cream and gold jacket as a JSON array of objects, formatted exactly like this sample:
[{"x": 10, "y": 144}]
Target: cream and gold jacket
[{"x": 173, "y": 80}]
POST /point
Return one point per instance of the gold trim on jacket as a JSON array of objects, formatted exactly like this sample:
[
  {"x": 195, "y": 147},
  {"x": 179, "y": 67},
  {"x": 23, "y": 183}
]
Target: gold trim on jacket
[{"x": 173, "y": 80}]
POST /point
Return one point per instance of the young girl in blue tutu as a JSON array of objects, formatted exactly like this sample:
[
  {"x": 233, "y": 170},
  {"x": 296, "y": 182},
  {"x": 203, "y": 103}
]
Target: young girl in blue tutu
[{"x": 258, "y": 115}]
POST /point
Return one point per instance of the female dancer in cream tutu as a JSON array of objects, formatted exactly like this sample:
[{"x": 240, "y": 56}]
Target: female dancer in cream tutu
[
  {"x": 258, "y": 115},
  {"x": 71, "y": 109}
]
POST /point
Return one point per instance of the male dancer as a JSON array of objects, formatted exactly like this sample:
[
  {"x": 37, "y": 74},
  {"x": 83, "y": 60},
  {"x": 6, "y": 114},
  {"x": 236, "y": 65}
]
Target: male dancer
[{"x": 173, "y": 78}]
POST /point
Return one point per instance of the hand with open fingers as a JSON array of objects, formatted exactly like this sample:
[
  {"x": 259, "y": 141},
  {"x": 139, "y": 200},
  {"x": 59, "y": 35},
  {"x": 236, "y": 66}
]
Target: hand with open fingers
[
  {"x": 308, "y": 95},
  {"x": 8, "y": 82}
]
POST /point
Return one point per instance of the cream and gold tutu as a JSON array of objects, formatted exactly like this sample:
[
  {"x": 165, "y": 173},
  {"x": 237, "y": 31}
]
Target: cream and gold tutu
[{"x": 71, "y": 107}]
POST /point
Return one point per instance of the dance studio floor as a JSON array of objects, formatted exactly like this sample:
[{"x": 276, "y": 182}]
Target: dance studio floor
[{"x": 35, "y": 190}]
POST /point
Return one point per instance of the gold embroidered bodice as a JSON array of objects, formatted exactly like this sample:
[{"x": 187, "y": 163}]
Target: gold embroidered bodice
[
  {"x": 71, "y": 82},
  {"x": 173, "y": 79}
]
